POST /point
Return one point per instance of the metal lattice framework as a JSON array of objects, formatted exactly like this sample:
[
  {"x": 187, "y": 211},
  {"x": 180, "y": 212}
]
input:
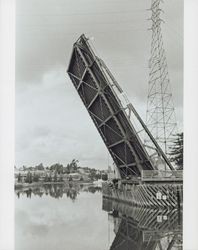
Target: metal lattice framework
[
  {"x": 160, "y": 118},
  {"x": 94, "y": 83},
  {"x": 144, "y": 232}
]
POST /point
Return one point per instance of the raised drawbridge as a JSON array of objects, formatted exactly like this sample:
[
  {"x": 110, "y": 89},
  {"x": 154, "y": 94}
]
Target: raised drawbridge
[{"x": 115, "y": 118}]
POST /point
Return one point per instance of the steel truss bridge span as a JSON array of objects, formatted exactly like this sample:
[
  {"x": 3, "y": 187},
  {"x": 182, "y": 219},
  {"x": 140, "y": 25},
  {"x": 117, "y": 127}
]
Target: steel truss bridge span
[{"x": 94, "y": 84}]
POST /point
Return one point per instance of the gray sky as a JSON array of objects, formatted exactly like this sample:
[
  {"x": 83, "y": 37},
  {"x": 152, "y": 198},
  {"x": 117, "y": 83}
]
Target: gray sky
[{"x": 52, "y": 124}]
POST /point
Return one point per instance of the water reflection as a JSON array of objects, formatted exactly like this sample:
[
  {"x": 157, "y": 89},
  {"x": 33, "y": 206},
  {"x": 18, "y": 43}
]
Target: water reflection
[
  {"x": 143, "y": 229},
  {"x": 56, "y": 190},
  {"x": 70, "y": 217},
  {"x": 60, "y": 217}
]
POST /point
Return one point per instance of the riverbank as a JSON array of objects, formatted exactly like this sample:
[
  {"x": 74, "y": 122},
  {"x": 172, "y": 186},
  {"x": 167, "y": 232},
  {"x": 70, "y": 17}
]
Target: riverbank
[{"x": 19, "y": 186}]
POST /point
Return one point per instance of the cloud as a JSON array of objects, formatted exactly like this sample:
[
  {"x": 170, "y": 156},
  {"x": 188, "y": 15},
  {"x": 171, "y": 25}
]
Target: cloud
[{"x": 52, "y": 124}]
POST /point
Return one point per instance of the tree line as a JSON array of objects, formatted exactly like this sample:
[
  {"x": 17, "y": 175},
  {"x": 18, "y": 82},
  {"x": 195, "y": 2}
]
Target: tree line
[
  {"x": 176, "y": 151},
  {"x": 58, "y": 171}
]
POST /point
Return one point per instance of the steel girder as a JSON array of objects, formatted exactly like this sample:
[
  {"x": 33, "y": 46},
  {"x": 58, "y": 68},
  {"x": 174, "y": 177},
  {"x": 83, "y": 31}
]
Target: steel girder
[{"x": 106, "y": 111}]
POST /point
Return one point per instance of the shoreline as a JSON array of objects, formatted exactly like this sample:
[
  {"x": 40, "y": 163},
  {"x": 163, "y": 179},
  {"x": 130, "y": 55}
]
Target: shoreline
[{"x": 18, "y": 186}]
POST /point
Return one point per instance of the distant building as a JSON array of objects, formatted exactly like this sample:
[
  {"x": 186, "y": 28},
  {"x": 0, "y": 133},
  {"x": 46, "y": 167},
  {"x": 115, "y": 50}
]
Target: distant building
[
  {"x": 79, "y": 176},
  {"x": 81, "y": 170},
  {"x": 113, "y": 173},
  {"x": 75, "y": 176}
]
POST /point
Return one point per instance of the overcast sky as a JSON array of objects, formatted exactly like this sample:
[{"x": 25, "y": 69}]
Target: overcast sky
[{"x": 52, "y": 124}]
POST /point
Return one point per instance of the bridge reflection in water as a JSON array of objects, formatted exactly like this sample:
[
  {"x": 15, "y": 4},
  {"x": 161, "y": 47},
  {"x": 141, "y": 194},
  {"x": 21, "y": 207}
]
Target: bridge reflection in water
[
  {"x": 135, "y": 228},
  {"x": 144, "y": 229}
]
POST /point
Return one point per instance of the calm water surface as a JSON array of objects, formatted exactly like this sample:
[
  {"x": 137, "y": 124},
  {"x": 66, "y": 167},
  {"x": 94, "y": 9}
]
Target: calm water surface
[
  {"x": 60, "y": 217},
  {"x": 77, "y": 218}
]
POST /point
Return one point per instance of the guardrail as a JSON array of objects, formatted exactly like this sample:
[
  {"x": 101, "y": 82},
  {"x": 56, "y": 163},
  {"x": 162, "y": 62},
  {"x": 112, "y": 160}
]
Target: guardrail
[{"x": 161, "y": 175}]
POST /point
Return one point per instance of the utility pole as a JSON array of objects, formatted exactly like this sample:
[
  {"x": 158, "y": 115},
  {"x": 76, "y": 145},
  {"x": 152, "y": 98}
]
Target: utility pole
[{"x": 160, "y": 115}]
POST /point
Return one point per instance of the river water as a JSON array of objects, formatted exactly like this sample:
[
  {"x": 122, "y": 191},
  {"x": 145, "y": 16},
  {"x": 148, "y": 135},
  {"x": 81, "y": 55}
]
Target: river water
[{"x": 76, "y": 217}]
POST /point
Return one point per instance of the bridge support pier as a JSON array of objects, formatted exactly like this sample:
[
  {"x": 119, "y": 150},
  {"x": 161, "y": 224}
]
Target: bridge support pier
[{"x": 155, "y": 195}]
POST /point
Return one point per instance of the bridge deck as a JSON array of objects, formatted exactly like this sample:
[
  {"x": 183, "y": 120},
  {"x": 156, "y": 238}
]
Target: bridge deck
[
  {"x": 156, "y": 176},
  {"x": 106, "y": 111}
]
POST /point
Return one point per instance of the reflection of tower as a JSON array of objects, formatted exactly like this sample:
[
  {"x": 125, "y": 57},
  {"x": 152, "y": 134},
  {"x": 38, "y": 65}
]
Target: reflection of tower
[{"x": 160, "y": 116}]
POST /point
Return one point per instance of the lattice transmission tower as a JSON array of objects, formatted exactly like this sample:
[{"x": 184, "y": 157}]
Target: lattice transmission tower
[{"x": 160, "y": 116}]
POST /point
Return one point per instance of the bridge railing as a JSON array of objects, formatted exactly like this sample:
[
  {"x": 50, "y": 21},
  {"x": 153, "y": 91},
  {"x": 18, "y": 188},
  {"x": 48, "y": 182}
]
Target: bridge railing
[{"x": 161, "y": 175}]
